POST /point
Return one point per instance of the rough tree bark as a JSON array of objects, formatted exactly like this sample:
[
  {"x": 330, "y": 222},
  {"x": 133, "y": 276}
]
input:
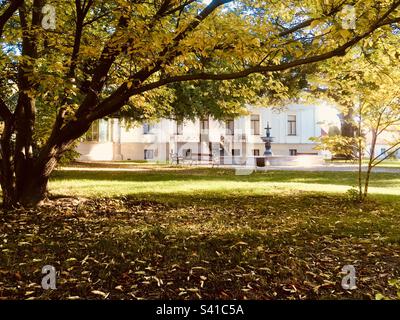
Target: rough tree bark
[{"x": 348, "y": 129}]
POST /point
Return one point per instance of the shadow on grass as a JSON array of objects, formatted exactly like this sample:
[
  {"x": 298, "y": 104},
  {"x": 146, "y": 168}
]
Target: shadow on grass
[{"x": 261, "y": 247}]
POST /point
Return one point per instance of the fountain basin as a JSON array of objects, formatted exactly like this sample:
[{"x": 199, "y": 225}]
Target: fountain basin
[{"x": 290, "y": 161}]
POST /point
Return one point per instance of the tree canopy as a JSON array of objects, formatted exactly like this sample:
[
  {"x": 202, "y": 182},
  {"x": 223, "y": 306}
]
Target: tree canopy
[{"x": 86, "y": 59}]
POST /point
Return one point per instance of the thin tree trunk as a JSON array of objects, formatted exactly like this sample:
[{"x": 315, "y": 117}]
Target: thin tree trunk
[
  {"x": 360, "y": 192},
  {"x": 360, "y": 155},
  {"x": 366, "y": 183},
  {"x": 370, "y": 163}
]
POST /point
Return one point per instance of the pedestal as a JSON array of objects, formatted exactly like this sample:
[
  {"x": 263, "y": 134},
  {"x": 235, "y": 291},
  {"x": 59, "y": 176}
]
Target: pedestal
[{"x": 260, "y": 162}]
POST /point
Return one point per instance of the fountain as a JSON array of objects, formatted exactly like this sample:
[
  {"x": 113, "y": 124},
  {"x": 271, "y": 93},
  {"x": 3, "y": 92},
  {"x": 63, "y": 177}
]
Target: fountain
[
  {"x": 289, "y": 161},
  {"x": 267, "y": 140}
]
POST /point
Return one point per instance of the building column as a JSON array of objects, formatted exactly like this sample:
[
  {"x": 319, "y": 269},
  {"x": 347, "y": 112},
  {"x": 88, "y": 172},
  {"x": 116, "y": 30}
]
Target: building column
[{"x": 116, "y": 139}]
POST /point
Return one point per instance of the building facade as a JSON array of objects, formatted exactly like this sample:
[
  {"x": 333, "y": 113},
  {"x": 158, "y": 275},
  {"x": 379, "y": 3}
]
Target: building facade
[{"x": 233, "y": 141}]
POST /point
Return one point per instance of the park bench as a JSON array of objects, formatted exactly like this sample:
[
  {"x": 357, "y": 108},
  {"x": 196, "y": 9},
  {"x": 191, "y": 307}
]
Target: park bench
[
  {"x": 195, "y": 159},
  {"x": 174, "y": 158},
  {"x": 204, "y": 158}
]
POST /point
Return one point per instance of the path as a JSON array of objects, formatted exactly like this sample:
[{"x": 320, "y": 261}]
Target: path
[{"x": 110, "y": 166}]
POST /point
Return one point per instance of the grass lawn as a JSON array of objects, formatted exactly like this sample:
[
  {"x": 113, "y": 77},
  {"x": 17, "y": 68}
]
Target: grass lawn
[
  {"x": 190, "y": 233},
  {"x": 394, "y": 163}
]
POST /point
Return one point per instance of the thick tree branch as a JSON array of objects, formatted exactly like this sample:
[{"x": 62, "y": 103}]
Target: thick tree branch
[
  {"x": 8, "y": 13},
  {"x": 179, "y": 8},
  {"x": 122, "y": 94},
  {"x": 390, "y": 21},
  {"x": 107, "y": 58},
  {"x": 81, "y": 12},
  {"x": 386, "y": 155},
  {"x": 170, "y": 52},
  {"x": 340, "y": 51},
  {"x": 297, "y": 27},
  {"x": 110, "y": 53}
]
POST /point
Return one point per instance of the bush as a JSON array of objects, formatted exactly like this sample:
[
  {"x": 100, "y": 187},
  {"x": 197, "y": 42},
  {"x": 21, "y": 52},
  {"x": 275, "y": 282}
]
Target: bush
[{"x": 339, "y": 146}]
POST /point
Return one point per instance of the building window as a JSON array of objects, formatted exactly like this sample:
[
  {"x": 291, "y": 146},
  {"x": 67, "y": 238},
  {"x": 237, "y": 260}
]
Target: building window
[
  {"x": 179, "y": 127},
  {"x": 93, "y": 133},
  {"x": 148, "y": 154},
  {"x": 187, "y": 153},
  {"x": 235, "y": 152},
  {"x": 204, "y": 125},
  {"x": 291, "y": 125},
  {"x": 104, "y": 132},
  {"x": 256, "y": 152},
  {"x": 147, "y": 128},
  {"x": 255, "y": 124},
  {"x": 230, "y": 127},
  {"x": 293, "y": 152}
]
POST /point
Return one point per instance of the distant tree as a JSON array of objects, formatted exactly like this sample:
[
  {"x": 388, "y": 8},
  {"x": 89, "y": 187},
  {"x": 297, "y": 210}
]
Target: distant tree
[{"x": 340, "y": 147}]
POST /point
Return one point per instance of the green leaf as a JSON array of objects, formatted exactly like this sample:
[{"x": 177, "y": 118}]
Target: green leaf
[{"x": 379, "y": 296}]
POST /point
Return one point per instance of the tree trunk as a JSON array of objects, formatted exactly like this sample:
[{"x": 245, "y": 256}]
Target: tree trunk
[
  {"x": 25, "y": 188},
  {"x": 34, "y": 192},
  {"x": 360, "y": 156},
  {"x": 370, "y": 163},
  {"x": 9, "y": 199},
  {"x": 348, "y": 129},
  {"x": 30, "y": 193},
  {"x": 7, "y": 177}
]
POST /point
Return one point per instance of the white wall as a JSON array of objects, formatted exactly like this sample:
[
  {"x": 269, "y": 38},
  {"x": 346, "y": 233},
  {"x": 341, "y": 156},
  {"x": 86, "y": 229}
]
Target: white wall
[
  {"x": 133, "y": 141},
  {"x": 92, "y": 151}
]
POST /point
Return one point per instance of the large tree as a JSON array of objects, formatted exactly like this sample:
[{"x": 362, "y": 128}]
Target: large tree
[{"x": 102, "y": 56}]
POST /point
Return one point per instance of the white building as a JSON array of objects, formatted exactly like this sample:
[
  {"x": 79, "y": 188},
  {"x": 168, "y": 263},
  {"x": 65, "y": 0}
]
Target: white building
[
  {"x": 384, "y": 143},
  {"x": 234, "y": 140}
]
